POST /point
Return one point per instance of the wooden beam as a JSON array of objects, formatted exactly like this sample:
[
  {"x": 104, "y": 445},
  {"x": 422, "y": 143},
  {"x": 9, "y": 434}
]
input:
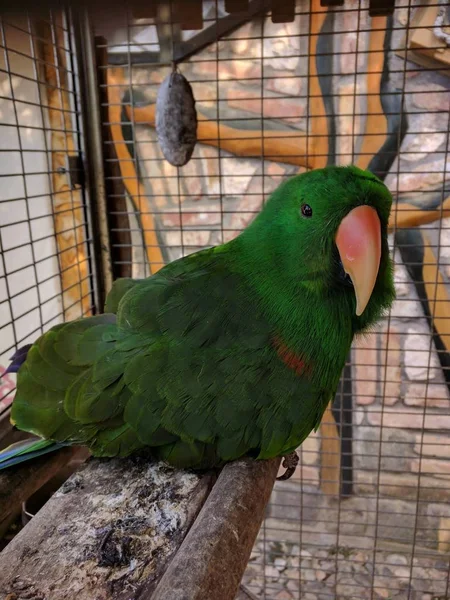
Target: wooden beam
[
  {"x": 379, "y": 8},
  {"x": 111, "y": 527},
  {"x": 236, "y": 6},
  {"x": 330, "y": 455},
  {"x": 134, "y": 529},
  {"x": 188, "y": 13},
  {"x": 212, "y": 559},
  {"x": 283, "y": 11},
  {"x": 143, "y": 9}
]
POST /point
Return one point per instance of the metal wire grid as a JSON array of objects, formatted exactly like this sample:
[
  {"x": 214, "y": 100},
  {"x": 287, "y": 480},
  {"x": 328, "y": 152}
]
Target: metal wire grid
[
  {"x": 212, "y": 93},
  {"x": 389, "y": 538},
  {"x": 44, "y": 242}
]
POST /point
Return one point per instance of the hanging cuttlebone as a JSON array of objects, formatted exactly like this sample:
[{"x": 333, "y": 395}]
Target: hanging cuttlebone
[{"x": 176, "y": 119}]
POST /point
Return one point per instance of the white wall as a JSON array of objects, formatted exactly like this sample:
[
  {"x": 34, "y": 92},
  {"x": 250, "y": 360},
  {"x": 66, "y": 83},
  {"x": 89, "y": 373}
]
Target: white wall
[{"x": 29, "y": 269}]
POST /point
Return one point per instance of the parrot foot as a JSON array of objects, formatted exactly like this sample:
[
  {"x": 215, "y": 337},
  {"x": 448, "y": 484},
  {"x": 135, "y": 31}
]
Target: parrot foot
[{"x": 290, "y": 463}]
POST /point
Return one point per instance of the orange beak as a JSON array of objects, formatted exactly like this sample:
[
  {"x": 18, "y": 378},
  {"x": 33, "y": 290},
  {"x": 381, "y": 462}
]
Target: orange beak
[{"x": 358, "y": 241}]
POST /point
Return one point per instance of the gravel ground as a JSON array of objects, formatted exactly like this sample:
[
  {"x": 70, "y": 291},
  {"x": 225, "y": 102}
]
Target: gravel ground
[{"x": 283, "y": 571}]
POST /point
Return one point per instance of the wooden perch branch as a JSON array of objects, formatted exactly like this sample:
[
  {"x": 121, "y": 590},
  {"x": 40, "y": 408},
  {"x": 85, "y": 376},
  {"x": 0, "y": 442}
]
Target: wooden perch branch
[
  {"x": 212, "y": 559},
  {"x": 118, "y": 529}
]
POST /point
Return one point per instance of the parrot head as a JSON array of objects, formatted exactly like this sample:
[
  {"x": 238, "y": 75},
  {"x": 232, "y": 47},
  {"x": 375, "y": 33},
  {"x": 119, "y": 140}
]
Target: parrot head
[{"x": 326, "y": 231}]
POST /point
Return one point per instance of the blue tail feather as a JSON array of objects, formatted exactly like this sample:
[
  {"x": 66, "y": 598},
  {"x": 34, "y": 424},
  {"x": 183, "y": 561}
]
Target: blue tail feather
[{"x": 26, "y": 450}]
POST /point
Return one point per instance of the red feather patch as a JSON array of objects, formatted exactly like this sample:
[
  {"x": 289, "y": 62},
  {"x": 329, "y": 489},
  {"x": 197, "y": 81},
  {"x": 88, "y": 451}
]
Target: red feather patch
[{"x": 294, "y": 361}]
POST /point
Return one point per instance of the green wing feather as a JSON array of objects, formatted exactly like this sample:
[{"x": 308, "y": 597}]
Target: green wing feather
[
  {"x": 173, "y": 370},
  {"x": 118, "y": 290}
]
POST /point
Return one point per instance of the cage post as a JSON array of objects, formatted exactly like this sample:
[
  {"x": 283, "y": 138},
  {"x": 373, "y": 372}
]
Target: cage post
[
  {"x": 115, "y": 188},
  {"x": 88, "y": 85}
]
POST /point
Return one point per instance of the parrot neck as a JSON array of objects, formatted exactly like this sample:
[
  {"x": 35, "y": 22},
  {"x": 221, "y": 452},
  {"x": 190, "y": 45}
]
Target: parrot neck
[{"x": 315, "y": 326}]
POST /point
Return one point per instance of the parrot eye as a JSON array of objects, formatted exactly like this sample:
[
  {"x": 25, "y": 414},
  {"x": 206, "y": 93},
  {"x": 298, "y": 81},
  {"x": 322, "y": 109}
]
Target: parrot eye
[{"x": 306, "y": 210}]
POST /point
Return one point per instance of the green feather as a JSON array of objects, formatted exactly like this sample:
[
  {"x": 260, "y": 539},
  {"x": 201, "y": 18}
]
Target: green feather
[
  {"x": 69, "y": 336},
  {"x": 119, "y": 288},
  {"x": 119, "y": 441},
  {"x": 95, "y": 342},
  {"x": 182, "y": 454}
]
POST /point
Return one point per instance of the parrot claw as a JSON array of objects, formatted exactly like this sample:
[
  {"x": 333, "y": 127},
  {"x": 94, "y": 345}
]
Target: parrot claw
[{"x": 290, "y": 463}]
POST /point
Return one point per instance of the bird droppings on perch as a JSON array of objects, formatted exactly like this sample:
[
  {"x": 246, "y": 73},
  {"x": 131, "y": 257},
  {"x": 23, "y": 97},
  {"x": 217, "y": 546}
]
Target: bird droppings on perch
[
  {"x": 111, "y": 527},
  {"x": 127, "y": 529},
  {"x": 211, "y": 561}
]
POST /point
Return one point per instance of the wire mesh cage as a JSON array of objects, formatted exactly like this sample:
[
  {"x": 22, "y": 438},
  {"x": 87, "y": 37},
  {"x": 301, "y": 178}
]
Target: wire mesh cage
[
  {"x": 277, "y": 92},
  {"x": 45, "y": 270}
]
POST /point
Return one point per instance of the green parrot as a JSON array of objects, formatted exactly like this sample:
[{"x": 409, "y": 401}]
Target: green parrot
[{"x": 231, "y": 351}]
